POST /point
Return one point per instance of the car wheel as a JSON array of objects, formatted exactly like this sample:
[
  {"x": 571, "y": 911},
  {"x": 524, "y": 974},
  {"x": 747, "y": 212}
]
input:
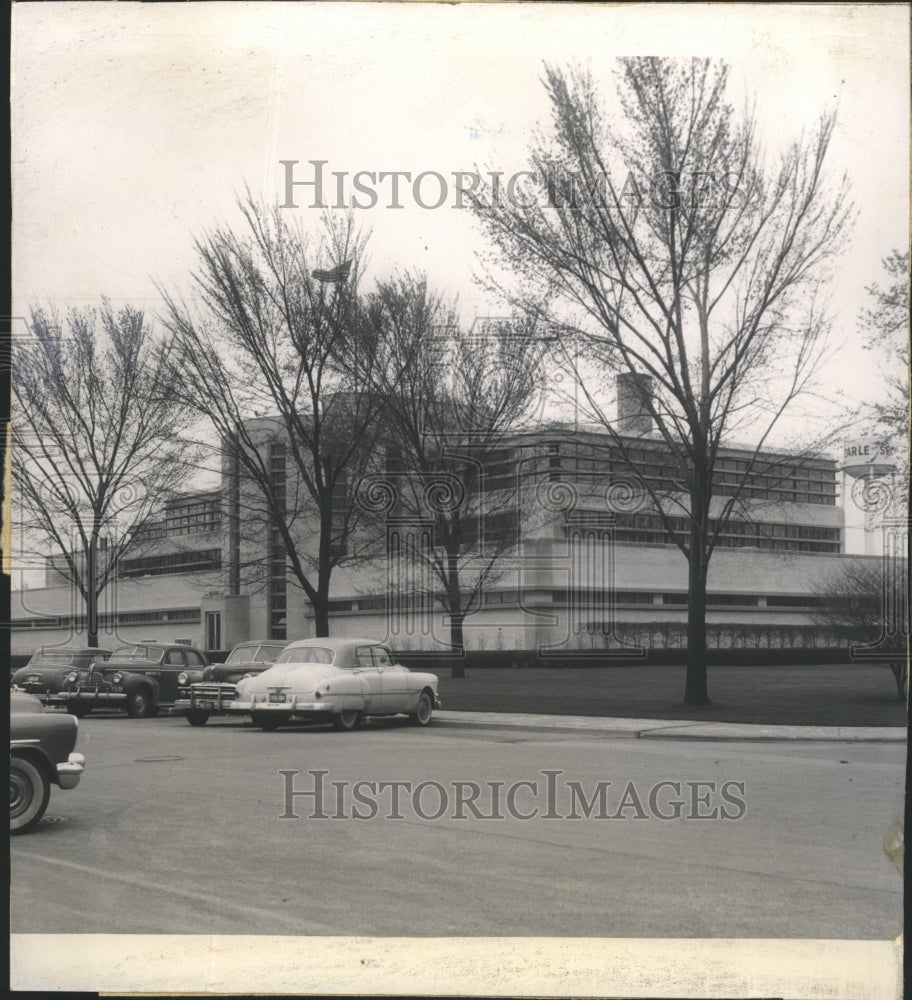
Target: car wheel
[
  {"x": 269, "y": 722},
  {"x": 139, "y": 704},
  {"x": 29, "y": 794},
  {"x": 423, "y": 710},
  {"x": 197, "y": 717},
  {"x": 346, "y": 720}
]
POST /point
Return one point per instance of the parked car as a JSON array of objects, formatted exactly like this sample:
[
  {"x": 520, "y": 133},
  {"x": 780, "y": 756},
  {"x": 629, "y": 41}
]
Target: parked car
[
  {"x": 140, "y": 678},
  {"x": 41, "y": 754},
  {"x": 337, "y": 680},
  {"x": 49, "y": 666},
  {"x": 218, "y": 688}
]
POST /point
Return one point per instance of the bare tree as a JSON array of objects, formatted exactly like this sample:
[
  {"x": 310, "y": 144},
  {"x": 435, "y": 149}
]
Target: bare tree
[
  {"x": 886, "y": 327},
  {"x": 97, "y": 441},
  {"x": 867, "y": 603},
  {"x": 268, "y": 337},
  {"x": 697, "y": 264},
  {"x": 450, "y": 398}
]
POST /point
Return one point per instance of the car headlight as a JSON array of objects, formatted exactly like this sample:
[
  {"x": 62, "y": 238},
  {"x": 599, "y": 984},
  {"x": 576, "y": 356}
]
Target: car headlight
[
  {"x": 183, "y": 678},
  {"x": 117, "y": 678},
  {"x": 72, "y": 677}
]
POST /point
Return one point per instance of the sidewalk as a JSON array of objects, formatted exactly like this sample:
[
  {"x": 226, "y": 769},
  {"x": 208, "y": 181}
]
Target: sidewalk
[{"x": 668, "y": 729}]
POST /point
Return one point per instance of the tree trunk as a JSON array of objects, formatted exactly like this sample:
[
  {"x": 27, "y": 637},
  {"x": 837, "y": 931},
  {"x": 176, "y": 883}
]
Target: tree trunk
[
  {"x": 321, "y": 617},
  {"x": 92, "y": 593},
  {"x": 457, "y": 616},
  {"x": 320, "y": 603},
  {"x": 457, "y": 662},
  {"x": 695, "y": 689}
]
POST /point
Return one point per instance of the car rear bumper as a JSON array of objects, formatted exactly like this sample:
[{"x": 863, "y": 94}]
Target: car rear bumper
[
  {"x": 69, "y": 773},
  {"x": 291, "y": 707}
]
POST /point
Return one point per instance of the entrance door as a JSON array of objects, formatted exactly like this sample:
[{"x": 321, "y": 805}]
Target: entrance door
[{"x": 213, "y": 630}]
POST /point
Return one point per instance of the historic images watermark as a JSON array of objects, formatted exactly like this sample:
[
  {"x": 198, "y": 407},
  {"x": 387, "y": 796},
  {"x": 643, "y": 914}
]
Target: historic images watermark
[
  {"x": 315, "y": 186},
  {"x": 549, "y": 795}
]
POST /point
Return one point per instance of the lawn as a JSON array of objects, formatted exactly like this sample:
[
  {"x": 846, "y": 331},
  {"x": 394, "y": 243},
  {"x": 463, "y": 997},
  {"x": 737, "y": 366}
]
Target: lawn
[{"x": 847, "y": 695}]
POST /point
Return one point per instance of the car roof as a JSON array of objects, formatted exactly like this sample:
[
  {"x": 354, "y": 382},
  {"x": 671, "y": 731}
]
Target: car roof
[
  {"x": 72, "y": 649},
  {"x": 330, "y": 642},
  {"x": 163, "y": 645},
  {"x": 262, "y": 642}
]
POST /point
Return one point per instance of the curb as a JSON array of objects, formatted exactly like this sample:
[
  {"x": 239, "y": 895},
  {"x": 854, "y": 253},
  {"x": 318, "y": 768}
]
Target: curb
[{"x": 670, "y": 729}]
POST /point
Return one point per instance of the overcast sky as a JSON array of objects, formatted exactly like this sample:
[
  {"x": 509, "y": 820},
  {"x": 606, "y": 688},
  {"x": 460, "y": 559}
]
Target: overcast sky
[{"x": 134, "y": 126}]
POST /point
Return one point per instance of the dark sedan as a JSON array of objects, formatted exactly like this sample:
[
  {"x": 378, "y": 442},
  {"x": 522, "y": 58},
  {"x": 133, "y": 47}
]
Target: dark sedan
[
  {"x": 211, "y": 695},
  {"x": 141, "y": 678},
  {"x": 47, "y": 670},
  {"x": 41, "y": 754}
]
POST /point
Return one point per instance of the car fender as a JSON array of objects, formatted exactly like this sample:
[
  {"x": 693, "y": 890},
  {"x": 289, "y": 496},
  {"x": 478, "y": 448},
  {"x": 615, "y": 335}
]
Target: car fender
[
  {"x": 133, "y": 681},
  {"x": 33, "y": 753}
]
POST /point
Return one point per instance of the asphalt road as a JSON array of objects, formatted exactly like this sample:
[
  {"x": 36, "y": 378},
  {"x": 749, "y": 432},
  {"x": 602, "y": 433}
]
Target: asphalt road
[{"x": 178, "y": 830}]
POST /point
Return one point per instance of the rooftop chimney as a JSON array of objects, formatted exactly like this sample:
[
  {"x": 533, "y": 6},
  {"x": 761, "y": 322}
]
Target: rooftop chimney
[{"x": 634, "y": 390}]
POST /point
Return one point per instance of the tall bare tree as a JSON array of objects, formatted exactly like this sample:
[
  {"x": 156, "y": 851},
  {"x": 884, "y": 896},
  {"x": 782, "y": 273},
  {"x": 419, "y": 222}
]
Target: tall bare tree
[
  {"x": 268, "y": 336},
  {"x": 886, "y": 326},
  {"x": 665, "y": 243},
  {"x": 98, "y": 440},
  {"x": 450, "y": 399}
]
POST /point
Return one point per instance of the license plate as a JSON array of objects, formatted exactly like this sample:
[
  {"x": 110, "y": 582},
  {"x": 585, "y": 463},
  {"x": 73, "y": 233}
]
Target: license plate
[
  {"x": 273, "y": 697},
  {"x": 205, "y": 706}
]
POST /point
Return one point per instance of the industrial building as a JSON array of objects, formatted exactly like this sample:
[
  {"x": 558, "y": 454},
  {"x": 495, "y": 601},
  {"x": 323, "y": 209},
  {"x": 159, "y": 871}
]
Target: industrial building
[{"x": 586, "y": 560}]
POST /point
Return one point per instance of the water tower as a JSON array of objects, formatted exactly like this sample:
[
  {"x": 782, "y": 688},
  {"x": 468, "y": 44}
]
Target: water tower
[{"x": 872, "y": 491}]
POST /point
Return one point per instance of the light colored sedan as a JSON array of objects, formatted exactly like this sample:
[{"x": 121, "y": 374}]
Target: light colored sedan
[{"x": 337, "y": 680}]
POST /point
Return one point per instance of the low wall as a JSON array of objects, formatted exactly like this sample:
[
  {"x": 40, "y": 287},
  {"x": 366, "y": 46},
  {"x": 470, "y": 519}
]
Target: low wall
[{"x": 529, "y": 659}]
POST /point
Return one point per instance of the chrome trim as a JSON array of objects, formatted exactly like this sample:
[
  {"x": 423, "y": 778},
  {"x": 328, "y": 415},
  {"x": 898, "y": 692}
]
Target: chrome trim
[{"x": 68, "y": 774}]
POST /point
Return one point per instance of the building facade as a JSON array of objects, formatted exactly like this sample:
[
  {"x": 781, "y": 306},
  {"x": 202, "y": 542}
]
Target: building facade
[{"x": 591, "y": 562}]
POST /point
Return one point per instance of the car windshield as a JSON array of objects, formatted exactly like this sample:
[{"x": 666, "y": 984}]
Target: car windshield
[
  {"x": 153, "y": 653},
  {"x": 307, "y": 654},
  {"x": 254, "y": 653},
  {"x": 52, "y": 656}
]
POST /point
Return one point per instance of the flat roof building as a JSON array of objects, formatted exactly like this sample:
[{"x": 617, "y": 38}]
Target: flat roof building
[{"x": 588, "y": 556}]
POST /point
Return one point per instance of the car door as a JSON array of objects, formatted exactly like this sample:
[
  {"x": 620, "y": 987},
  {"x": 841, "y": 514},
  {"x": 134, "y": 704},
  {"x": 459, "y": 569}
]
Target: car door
[
  {"x": 173, "y": 662},
  {"x": 371, "y": 678},
  {"x": 395, "y": 681}
]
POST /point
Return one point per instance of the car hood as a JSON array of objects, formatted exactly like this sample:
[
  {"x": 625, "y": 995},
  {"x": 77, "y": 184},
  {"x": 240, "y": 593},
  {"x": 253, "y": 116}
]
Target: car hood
[
  {"x": 23, "y": 703},
  {"x": 222, "y": 671},
  {"x": 44, "y": 672},
  {"x": 297, "y": 675},
  {"x": 124, "y": 666}
]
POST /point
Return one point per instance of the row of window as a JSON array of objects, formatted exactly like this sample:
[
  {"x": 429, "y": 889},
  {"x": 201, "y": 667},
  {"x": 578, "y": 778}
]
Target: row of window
[
  {"x": 582, "y": 597},
  {"x": 177, "y": 616},
  {"x": 173, "y": 562},
  {"x": 574, "y": 460},
  {"x": 181, "y": 526},
  {"x": 650, "y": 529}
]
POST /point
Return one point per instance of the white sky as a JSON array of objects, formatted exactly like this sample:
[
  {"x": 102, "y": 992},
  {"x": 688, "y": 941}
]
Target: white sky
[{"x": 134, "y": 126}]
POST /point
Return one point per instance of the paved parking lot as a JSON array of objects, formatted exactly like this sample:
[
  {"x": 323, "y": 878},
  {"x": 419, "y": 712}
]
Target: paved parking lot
[{"x": 180, "y": 830}]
